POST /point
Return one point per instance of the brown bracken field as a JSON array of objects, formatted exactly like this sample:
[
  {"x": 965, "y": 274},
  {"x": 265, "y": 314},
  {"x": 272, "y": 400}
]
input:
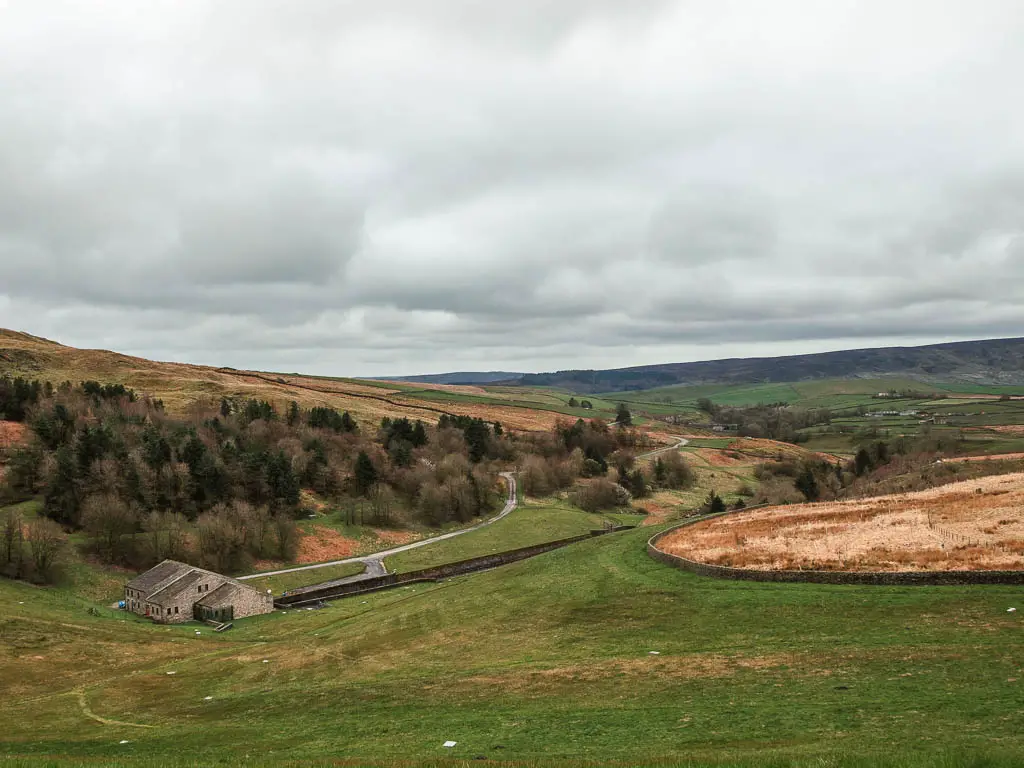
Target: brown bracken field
[{"x": 966, "y": 526}]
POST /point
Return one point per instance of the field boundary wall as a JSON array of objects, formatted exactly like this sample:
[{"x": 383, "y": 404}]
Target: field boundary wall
[{"x": 485, "y": 562}]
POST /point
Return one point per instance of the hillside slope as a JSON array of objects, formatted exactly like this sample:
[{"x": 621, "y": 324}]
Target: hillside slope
[
  {"x": 180, "y": 384},
  {"x": 546, "y": 662},
  {"x": 458, "y": 377},
  {"x": 990, "y": 362}
]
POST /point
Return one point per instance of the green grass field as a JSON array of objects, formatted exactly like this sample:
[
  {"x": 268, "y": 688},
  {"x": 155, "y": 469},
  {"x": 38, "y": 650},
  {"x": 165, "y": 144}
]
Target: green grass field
[
  {"x": 535, "y": 523},
  {"x": 827, "y": 393},
  {"x": 847, "y": 398},
  {"x": 709, "y": 442},
  {"x": 286, "y": 581},
  {"x": 970, "y": 419},
  {"x": 546, "y": 661}
]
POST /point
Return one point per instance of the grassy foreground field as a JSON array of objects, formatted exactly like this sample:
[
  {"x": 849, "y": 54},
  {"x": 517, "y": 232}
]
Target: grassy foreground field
[{"x": 547, "y": 661}]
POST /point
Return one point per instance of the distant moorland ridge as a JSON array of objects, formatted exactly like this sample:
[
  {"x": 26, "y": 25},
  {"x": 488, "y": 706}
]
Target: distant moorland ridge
[
  {"x": 991, "y": 362},
  {"x": 457, "y": 377},
  {"x": 988, "y": 362}
]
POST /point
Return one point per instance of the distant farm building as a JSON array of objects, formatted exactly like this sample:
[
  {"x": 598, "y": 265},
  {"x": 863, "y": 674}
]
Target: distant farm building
[{"x": 174, "y": 592}]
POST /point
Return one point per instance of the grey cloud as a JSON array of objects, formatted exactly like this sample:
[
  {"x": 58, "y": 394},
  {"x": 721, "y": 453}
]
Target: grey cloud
[
  {"x": 531, "y": 24},
  {"x": 708, "y": 224},
  {"x": 276, "y": 230},
  {"x": 359, "y": 188}
]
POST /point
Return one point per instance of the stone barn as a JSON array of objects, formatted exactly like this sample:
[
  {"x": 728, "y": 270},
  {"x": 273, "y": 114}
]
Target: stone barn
[{"x": 174, "y": 592}]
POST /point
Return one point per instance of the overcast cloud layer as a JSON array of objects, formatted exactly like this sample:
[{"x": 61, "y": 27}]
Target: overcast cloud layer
[{"x": 360, "y": 188}]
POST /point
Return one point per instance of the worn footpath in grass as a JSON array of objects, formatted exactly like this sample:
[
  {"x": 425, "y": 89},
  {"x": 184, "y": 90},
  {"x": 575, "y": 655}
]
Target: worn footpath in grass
[{"x": 543, "y": 661}]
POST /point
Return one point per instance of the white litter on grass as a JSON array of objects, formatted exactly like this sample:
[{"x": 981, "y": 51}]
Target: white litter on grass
[
  {"x": 654, "y": 653},
  {"x": 450, "y": 743},
  {"x": 1011, "y": 610},
  {"x": 198, "y": 632},
  {"x": 172, "y": 673},
  {"x": 123, "y": 741},
  {"x": 266, "y": 661},
  {"x": 21, "y": 602},
  {"x": 208, "y": 698}
]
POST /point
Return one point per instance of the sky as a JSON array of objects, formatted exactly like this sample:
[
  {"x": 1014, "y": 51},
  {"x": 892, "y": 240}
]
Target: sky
[{"x": 394, "y": 187}]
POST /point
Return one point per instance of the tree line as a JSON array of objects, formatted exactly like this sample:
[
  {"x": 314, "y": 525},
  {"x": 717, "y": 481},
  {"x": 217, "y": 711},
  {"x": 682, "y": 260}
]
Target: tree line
[
  {"x": 597, "y": 465},
  {"x": 879, "y": 467},
  {"x": 776, "y": 421},
  {"x": 116, "y": 466},
  {"x": 222, "y": 484}
]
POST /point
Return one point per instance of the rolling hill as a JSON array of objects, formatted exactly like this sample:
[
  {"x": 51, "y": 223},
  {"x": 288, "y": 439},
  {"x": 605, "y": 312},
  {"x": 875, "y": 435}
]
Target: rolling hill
[
  {"x": 988, "y": 362},
  {"x": 180, "y": 384},
  {"x": 458, "y": 377}
]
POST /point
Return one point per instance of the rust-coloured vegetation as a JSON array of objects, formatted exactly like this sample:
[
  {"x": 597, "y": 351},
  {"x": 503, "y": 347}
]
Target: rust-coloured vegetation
[{"x": 970, "y": 525}]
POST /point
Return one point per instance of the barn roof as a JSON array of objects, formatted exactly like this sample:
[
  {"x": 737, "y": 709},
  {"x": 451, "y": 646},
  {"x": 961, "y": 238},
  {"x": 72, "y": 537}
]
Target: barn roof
[
  {"x": 157, "y": 575},
  {"x": 166, "y": 581},
  {"x": 187, "y": 581},
  {"x": 224, "y": 595}
]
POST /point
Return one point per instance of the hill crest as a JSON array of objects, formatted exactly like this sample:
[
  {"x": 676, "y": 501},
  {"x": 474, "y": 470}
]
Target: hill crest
[{"x": 987, "y": 362}]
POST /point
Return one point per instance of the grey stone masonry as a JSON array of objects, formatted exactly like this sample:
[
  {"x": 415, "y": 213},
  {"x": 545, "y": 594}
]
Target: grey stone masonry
[
  {"x": 234, "y": 600},
  {"x": 169, "y": 593}
]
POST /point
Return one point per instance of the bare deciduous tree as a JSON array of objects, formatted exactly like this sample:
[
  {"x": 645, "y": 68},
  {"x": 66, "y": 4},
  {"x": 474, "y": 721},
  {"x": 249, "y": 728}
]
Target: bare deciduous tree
[
  {"x": 45, "y": 541},
  {"x": 108, "y": 520},
  {"x": 287, "y": 536},
  {"x": 12, "y": 539}
]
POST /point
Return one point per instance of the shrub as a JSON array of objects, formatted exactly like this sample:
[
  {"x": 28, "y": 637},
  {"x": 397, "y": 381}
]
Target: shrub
[
  {"x": 536, "y": 477},
  {"x": 678, "y": 473},
  {"x": 713, "y": 504},
  {"x": 600, "y": 494}
]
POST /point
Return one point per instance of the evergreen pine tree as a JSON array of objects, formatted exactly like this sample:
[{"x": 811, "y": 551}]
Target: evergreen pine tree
[{"x": 365, "y": 473}]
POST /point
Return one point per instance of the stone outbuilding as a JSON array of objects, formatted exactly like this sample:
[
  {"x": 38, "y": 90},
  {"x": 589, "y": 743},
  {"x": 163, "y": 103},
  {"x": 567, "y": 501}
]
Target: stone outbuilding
[{"x": 174, "y": 592}]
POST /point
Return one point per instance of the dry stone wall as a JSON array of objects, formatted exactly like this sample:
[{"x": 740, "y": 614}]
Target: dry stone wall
[{"x": 486, "y": 562}]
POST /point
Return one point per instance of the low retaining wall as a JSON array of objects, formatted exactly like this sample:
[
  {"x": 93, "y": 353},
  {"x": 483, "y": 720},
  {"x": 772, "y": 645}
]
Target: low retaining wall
[
  {"x": 473, "y": 564},
  {"x": 881, "y": 578}
]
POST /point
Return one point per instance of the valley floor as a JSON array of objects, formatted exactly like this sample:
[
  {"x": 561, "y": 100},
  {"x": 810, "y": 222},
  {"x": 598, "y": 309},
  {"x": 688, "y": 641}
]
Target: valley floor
[{"x": 593, "y": 654}]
